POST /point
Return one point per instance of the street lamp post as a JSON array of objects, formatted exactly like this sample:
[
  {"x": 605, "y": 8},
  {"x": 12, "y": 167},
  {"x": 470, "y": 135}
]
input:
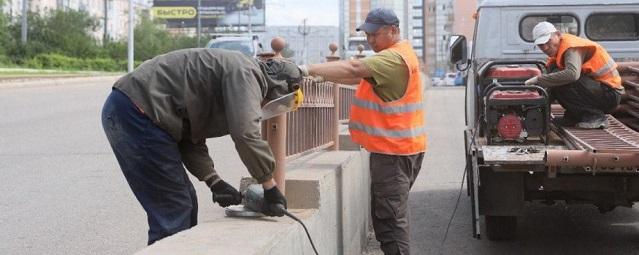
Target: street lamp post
[
  {"x": 199, "y": 22},
  {"x": 304, "y": 31},
  {"x": 131, "y": 38},
  {"x": 23, "y": 34}
]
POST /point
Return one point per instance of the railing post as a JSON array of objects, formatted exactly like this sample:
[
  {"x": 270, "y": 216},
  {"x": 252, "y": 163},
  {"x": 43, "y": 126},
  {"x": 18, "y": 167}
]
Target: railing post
[
  {"x": 336, "y": 111},
  {"x": 276, "y": 136}
]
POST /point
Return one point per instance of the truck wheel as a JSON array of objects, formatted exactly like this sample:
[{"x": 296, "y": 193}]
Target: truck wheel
[{"x": 501, "y": 228}]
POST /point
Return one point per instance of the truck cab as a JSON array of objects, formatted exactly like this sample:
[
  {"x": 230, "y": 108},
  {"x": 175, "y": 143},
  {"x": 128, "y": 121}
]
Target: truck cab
[{"x": 514, "y": 152}]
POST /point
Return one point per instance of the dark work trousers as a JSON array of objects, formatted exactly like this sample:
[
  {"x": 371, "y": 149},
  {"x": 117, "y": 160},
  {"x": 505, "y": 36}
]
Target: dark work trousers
[
  {"x": 151, "y": 163},
  {"x": 586, "y": 98},
  {"x": 392, "y": 176}
]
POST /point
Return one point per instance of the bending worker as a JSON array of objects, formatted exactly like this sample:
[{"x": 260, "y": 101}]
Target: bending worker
[
  {"x": 158, "y": 117},
  {"x": 582, "y": 77},
  {"x": 387, "y": 119}
]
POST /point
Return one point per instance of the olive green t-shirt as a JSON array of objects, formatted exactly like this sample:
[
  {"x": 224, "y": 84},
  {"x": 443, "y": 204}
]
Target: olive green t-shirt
[{"x": 389, "y": 74}]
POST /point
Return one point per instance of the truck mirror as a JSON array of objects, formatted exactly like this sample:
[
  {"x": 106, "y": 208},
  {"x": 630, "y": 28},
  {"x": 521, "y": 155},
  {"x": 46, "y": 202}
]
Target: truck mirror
[{"x": 458, "y": 50}]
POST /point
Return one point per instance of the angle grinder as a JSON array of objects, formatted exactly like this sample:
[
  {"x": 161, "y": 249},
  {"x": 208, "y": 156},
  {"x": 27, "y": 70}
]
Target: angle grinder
[{"x": 252, "y": 205}]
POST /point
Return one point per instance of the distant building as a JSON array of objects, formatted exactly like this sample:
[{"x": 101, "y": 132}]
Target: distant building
[
  {"x": 443, "y": 18},
  {"x": 116, "y": 10},
  {"x": 417, "y": 19},
  {"x": 317, "y": 41},
  {"x": 404, "y": 12},
  {"x": 352, "y": 14},
  {"x": 438, "y": 27}
]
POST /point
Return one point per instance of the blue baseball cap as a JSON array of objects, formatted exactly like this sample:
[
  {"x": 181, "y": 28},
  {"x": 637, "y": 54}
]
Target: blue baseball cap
[{"x": 377, "y": 18}]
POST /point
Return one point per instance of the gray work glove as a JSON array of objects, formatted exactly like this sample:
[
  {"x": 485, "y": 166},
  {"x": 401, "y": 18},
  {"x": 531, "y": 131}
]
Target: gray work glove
[
  {"x": 303, "y": 70},
  {"x": 224, "y": 194},
  {"x": 274, "y": 202},
  {"x": 532, "y": 81}
]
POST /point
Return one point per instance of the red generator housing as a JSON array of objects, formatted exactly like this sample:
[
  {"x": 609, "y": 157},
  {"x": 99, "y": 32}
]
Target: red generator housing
[{"x": 514, "y": 112}]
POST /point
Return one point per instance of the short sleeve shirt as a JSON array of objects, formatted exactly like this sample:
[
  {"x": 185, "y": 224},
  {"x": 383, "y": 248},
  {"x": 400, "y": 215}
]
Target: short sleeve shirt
[{"x": 389, "y": 74}]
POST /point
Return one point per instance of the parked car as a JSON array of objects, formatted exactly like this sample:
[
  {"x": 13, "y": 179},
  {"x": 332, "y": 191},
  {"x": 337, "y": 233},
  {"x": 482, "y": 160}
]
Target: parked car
[
  {"x": 449, "y": 79},
  {"x": 250, "y": 46}
]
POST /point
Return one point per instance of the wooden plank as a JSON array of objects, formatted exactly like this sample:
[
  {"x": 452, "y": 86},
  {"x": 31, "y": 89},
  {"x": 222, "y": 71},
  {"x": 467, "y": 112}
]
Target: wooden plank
[{"x": 516, "y": 154}]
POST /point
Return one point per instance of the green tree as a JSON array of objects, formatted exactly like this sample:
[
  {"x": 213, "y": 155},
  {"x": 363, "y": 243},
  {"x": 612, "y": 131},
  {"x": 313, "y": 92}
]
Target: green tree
[
  {"x": 65, "y": 32},
  {"x": 151, "y": 39},
  {"x": 70, "y": 33},
  {"x": 4, "y": 33}
]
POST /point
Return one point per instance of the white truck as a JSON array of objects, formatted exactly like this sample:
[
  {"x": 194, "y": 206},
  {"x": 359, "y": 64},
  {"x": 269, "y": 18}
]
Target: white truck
[{"x": 514, "y": 153}]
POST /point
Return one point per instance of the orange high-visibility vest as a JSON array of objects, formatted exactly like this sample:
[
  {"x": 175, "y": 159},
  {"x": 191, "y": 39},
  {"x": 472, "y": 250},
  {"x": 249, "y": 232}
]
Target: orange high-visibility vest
[
  {"x": 600, "y": 66},
  {"x": 395, "y": 127}
]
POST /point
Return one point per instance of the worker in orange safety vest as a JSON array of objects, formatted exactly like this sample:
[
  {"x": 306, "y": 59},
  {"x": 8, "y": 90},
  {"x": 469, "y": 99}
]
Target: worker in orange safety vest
[
  {"x": 583, "y": 77},
  {"x": 387, "y": 119}
]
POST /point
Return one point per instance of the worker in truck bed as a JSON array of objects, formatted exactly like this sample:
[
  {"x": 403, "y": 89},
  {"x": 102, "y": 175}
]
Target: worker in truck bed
[
  {"x": 158, "y": 117},
  {"x": 582, "y": 77}
]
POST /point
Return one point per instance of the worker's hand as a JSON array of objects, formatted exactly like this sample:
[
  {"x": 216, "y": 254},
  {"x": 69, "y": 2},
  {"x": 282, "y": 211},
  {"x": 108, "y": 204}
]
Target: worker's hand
[
  {"x": 224, "y": 194},
  {"x": 303, "y": 70},
  {"x": 274, "y": 202},
  {"x": 531, "y": 81},
  {"x": 318, "y": 79}
]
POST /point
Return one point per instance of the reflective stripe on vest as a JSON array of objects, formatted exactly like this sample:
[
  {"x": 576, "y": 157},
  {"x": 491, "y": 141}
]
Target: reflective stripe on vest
[
  {"x": 604, "y": 69},
  {"x": 388, "y": 109},
  {"x": 407, "y": 133}
]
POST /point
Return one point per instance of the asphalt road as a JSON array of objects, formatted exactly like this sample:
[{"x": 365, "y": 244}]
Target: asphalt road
[
  {"x": 61, "y": 190},
  {"x": 557, "y": 229}
]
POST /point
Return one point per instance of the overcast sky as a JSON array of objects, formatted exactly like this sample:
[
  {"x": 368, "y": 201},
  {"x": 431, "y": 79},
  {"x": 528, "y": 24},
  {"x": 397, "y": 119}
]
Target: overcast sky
[{"x": 292, "y": 12}]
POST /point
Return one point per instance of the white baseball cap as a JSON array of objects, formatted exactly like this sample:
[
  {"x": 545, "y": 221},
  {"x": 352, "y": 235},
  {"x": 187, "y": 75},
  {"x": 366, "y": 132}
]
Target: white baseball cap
[{"x": 542, "y": 32}]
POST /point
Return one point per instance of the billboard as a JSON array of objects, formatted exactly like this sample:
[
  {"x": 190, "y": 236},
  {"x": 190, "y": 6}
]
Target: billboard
[{"x": 213, "y": 13}]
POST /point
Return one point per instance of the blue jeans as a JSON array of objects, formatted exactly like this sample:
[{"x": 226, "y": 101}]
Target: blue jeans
[{"x": 150, "y": 160}]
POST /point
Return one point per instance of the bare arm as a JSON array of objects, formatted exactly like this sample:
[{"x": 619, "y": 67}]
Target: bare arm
[{"x": 345, "y": 71}]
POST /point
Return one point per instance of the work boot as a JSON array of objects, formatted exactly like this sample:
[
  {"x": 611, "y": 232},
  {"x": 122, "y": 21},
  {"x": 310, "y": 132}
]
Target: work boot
[
  {"x": 567, "y": 120},
  {"x": 593, "y": 122}
]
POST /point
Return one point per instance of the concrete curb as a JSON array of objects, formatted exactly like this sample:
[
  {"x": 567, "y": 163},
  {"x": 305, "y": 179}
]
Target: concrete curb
[
  {"x": 58, "y": 81},
  {"x": 328, "y": 191}
]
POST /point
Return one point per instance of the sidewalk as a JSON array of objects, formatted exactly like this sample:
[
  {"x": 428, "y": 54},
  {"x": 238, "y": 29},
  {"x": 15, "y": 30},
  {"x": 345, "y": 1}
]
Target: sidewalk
[
  {"x": 56, "y": 79},
  {"x": 20, "y": 75}
]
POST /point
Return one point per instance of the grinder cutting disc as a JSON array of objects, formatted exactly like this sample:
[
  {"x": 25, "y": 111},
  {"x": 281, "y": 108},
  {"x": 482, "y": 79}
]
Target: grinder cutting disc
[
  {"x": 240, "y": 211},
  {"x": 252, "y": 203}
]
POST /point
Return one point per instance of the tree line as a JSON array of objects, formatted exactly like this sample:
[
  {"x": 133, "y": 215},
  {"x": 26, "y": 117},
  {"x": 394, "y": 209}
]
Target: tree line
[{"x": 65, "y": 39}]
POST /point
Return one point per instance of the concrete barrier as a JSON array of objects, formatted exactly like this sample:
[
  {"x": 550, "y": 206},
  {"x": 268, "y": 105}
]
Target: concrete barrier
[{"x": 328, "y": 191}]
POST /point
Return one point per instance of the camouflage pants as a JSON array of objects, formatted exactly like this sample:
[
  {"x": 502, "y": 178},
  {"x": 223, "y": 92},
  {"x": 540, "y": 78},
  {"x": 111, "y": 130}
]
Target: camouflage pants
[{"x": 392, "y": 176}]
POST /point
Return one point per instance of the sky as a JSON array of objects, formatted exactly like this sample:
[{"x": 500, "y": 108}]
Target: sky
[{"x": 292, "y": 12}]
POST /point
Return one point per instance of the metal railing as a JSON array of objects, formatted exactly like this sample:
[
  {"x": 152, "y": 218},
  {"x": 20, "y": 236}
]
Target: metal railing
[
  {"x": 314, "y": 126},
  {"x": 346, "y": 95},
  {"x": 630, "y": 103},
  {"x": 311, "y": 127}
]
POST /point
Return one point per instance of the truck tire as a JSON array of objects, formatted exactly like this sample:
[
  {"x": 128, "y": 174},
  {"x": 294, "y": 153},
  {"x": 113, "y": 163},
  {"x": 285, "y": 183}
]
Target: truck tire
[{"x": 501, "y": 228}]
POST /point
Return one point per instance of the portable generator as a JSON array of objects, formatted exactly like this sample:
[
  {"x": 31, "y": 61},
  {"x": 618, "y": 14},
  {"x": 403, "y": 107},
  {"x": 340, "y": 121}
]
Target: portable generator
[{"x": 514, "y": 112}]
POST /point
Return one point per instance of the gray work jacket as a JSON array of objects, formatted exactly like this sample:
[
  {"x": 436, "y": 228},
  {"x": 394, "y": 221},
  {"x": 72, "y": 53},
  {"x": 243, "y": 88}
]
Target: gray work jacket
[{"x": 194, "y": 94}]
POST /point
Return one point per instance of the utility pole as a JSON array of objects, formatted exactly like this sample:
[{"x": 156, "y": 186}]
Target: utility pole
[
  {"x": 199, "y": 22},
  {"x": 105, "y": 36},
  {"x": 131, "y": 38},
  {"x": 304, "y": 31},
  {"x": 23, "y": 33}
]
